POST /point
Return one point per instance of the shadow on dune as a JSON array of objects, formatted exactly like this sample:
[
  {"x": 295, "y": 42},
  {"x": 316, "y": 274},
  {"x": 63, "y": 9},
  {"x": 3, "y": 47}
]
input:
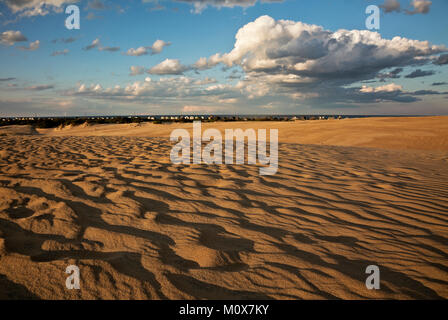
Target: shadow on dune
[{"x": 13, "y": 291}]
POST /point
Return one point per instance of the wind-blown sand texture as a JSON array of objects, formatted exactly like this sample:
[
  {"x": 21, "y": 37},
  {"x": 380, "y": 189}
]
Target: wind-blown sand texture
[{"x": 348, "y": 194}]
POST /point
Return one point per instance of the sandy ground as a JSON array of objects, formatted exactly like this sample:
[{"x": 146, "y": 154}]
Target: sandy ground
[{"x": 348, "y": 194}]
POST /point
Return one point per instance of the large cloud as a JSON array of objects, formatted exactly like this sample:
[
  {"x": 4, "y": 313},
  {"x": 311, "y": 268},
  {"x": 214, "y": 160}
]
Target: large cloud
[
  {"x": 303, "y": 61},
  {"x": 36, "y": 7},
  {"x": 288, "y": 47}
]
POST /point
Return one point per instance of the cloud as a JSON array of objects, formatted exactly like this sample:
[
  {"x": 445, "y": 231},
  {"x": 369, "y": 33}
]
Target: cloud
[
  {"x": 201, "y": 109},
  {"x": 439, "y": 83},
  {"x": 29, "y": 8},
  {"x": 64, "y": 40},
  {"x": 109, "y": 49},
  {"x": 140, "y": 51},
  {"x": 287, "y": 47},
  {"x": 180, "y": 90},
  {"x": 10, "y": 37},
  {"x": 206, "y": 80},
  {"x": 391, "y": 6},
  {"x": 419, "y": 6},
  {"x": 136, "y": 70},
  {"x": 157, "y": 7},
  {"x": 394, "y": 74},
  {"x": 158, "y": 46},
  {"x": 96, "y": 5},
  {"x": 40, "y": 87},
  {"x": 392, "y": 87},
  {"x": 32, "y": 46},
  {"x": 7, "y": 79},
  {"x": 92, "y": 16},
  {"x": 60, "y": 53},
  {"x": 307, "y": 62},
  {"x": 441, "y": 60},
  {"x": 427, "y": 92},
  {"x": 95, "y": 43},
  {"x": 200, "y": 5},
  {"x": 282, "y": 63},
  {"x": 419, "y": 73},
  {"x": 204, "y": 63},
  {"x": 155, "y": 48},
  {"x": 169, "y": 66}
]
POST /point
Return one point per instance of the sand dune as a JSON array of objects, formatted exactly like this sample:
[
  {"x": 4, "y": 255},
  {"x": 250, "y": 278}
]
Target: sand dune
[
  {"x": 348, "y": 194},
  {"x": 407, "y": 133}
]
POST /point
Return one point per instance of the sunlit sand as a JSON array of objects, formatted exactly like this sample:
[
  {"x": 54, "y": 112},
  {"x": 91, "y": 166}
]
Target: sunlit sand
[{"x": 348, "y": 194}]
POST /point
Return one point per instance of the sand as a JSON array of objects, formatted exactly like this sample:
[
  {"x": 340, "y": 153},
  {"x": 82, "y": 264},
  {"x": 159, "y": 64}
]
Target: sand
[{"x": 348, "y": 194}]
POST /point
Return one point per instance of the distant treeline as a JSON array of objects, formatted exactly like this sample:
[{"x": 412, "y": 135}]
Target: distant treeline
[{"x": 55, "y": 122}]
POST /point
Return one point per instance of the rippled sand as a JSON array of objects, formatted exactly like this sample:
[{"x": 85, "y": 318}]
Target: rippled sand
[{"x": 140, "y": 227}]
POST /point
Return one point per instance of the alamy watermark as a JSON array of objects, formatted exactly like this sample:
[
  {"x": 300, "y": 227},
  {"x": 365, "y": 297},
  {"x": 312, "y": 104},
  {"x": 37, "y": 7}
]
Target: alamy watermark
[
  {"x": 373, "y": 280},
  {"x": 73, "y": 21},
  {"x": 73, "y": 280},
  {"x": 373, "y": 20},
  {"x": 212, "y": 153}
]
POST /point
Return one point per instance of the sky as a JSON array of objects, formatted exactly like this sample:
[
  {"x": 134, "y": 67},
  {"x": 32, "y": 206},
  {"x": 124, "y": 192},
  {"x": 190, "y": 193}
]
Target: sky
[{"x": 156, "y": 57}]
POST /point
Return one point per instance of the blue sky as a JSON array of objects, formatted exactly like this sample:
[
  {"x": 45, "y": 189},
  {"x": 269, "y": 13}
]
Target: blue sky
[{"x": 304, "y": 57}]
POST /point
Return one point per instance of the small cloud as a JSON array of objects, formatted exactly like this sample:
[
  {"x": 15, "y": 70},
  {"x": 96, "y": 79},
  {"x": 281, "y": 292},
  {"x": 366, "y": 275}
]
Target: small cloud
[
  {"x": 394, "y": 74},
  {"x": 136, "y": 70},
  {"x": 200, "y": 5},
  {"x": 169, "y": 66},
  {"x": 64, "y": 40},
  {"x": 60, "y": 53},
  {"x": 94, "y": 44},
  {"x": 32, "y": 46},
  {"x": 140, "y": 51},
  {"x": 10, "y": 37},
  {"x": 155, "y": 48},
  {"x": 392, "y": 87},
  {"x": 441, "y": 60},
  {"x": 419, "y": 73},
  {"x": 158, "y": 46},
  {"x": 391, "y": 6},
  {"x": 92, "y": 16},
  {"x": 109, "y": 49},
  {"x": 96, "y": 5},
  {"x": 40, "y": 87},
  {"x": 7, "y": 79},
  {"x": 439, "y": 83},
  {"x": 157, "y": 7},
  {"x": 420, "y": 6},
  {"x": 200, "y": 109}
]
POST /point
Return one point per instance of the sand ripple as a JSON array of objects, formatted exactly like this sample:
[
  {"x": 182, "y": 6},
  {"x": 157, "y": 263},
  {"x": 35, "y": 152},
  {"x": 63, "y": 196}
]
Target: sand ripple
[{"x": 140, "y": 227}]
